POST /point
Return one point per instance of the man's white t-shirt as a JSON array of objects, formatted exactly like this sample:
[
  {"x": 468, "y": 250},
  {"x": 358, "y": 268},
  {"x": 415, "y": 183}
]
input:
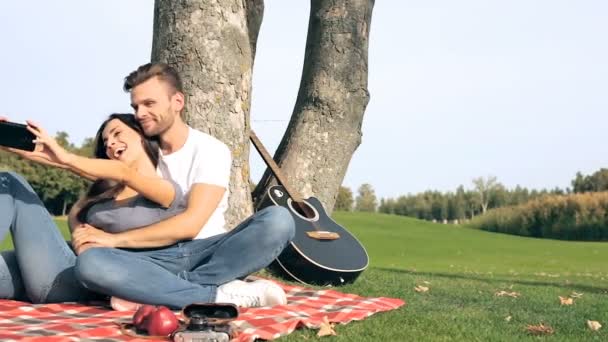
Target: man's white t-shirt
[{"x": 202, "y": 159}]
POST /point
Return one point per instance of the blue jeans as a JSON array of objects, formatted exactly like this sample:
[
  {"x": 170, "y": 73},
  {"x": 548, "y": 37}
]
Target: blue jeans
[
  {"x": 41, "y": 267},
  {"x": 189, "y": 271},
  {"x": 174, "y": 276}
]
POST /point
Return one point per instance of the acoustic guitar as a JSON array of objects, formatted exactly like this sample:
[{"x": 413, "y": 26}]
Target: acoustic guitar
[{"x": 322, "y": 252}]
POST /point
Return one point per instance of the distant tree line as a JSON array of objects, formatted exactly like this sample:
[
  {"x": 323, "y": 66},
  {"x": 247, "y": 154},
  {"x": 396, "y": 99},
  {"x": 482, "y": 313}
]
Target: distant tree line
[
  {"x": 461, "y": 204},
  {"x": 364, "y": 201},
  {"x": 596, "y": 182},
  {"x": 577, "y": 216},
  {"x": 58, "y": 189}
]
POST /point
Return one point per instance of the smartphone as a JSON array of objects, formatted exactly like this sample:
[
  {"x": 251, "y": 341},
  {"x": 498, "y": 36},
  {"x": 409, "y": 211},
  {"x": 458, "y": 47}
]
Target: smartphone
[{"x": 16, "y": 135}]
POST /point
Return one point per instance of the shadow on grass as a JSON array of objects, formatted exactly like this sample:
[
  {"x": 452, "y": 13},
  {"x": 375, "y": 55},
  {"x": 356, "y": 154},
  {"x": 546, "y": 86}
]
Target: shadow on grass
[{"x": 573, "y": 286}]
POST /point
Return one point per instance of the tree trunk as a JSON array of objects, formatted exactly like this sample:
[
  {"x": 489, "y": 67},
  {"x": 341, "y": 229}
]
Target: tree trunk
[
  {"x": 210, "y": 44},
  {"x": 255, "y": 14},
  {"x": 325, "y": 127}
]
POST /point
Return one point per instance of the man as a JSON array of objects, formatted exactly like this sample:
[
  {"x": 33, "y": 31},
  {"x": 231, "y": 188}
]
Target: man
[{"x": 189, "y": 257}]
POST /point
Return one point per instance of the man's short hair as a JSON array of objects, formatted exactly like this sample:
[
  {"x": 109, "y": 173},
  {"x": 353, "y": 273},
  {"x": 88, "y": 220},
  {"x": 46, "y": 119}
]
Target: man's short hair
[{"x": 164, "y": 72}]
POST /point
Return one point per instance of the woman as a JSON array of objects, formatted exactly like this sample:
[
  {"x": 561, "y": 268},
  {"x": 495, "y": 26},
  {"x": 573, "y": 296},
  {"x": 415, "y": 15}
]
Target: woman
[{"x": 41, "y": 266}]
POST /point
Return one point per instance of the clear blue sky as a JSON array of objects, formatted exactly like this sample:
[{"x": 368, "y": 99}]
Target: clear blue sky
[{"x": 459, "y": 89}]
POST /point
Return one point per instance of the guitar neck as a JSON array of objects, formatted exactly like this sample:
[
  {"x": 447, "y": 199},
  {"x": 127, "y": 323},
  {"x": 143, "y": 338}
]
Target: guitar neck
[{"x": 276, "y": 171}]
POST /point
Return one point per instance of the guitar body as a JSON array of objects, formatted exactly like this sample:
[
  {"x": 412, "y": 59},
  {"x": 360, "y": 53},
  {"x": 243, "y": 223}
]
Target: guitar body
[{"x": 311, "y": 260}]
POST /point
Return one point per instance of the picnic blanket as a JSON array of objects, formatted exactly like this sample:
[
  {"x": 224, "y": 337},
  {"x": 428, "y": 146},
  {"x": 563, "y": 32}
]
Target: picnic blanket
[{"x": 74, "y": 322}]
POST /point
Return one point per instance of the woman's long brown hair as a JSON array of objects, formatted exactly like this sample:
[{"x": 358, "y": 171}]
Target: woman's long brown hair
[{"x": 105, "y": 189}]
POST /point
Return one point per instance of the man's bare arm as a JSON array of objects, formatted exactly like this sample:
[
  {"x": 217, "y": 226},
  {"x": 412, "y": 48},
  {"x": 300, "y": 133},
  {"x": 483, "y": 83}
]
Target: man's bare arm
[{"x": 202, "y": 202}]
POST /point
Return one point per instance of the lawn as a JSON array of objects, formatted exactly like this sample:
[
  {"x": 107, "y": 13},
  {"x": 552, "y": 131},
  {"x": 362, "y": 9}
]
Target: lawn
[{"x": 463, "y": 269}]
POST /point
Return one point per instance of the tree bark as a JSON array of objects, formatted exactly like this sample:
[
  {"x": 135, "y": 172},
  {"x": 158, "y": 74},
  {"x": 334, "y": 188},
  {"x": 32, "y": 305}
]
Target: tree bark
[
  {"x": 325, "y": 127},
  {"x": 255, "y": 14},
  {"x": 210, "y": 44}
]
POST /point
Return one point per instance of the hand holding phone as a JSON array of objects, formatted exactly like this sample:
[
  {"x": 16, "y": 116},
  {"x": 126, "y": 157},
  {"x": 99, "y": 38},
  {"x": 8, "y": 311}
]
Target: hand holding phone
[
  {"x": 16, "y": 135},
  {"x": 23, "y": 141},
  {"x": 49, "y": 148}
]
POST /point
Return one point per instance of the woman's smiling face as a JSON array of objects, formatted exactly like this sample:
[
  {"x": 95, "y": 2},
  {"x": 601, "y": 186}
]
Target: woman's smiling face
[{"x": 122, "y": 142}]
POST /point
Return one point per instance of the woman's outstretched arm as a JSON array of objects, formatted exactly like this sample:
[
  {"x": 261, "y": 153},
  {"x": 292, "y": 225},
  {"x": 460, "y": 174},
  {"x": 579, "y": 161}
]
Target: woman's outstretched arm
[
  {"x": 154, "y": 187},
  {"x": 42, "y": 160}
]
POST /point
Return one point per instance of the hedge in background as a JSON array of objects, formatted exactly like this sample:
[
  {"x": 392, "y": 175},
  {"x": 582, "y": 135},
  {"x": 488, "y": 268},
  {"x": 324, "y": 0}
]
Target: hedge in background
[{"x": 567, "y": 217}]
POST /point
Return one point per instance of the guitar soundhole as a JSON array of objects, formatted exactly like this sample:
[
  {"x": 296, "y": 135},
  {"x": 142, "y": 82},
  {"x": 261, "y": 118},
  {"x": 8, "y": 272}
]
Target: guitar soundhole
[{"x": 303, "y": 210}]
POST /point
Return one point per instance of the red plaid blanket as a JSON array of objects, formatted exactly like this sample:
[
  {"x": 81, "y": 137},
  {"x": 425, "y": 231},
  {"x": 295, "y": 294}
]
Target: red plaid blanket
[{"x": 73, "y": 322}]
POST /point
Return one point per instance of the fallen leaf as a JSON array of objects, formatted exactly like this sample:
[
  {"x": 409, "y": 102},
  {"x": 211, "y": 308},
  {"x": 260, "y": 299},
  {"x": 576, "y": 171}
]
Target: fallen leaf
[
  {"x": 508, "y": 318},
  {"x": 421, "y": 289},
  {"x": 594, "y": 325},
  {"x": 576, "y": 295},
  {"x": 540, "y": 329},
  {"x": 507, "y": 294},
  {"x": 327, "y": 328},
  {"x": 566, "y": 300}
]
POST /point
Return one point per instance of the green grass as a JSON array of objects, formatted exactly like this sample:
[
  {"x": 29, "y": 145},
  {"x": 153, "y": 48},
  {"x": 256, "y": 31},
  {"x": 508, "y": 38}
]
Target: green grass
[{"x": 464, "y": 268}]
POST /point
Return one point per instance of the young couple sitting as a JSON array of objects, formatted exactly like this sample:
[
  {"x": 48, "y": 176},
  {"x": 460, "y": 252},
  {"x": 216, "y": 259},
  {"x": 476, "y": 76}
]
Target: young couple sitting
[{"x": 150, "y": 230}]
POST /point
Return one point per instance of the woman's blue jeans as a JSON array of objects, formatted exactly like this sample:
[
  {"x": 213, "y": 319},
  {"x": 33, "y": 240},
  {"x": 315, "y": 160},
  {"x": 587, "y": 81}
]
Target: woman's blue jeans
[{"x": 43, "y": 268}]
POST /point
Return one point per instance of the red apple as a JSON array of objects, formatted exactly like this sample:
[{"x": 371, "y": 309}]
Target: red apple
[
  {"x": 141, "y": 314},
  {"x": 161, "y": 322}
]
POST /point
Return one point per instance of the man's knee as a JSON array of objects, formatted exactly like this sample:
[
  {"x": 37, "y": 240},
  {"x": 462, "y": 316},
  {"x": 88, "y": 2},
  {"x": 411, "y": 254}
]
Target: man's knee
[
  {"x": 96, "y": 270},
  {"x": 279, "y": 223}
]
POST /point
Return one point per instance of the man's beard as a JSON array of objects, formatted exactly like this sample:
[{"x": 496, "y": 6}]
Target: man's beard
[
  {"x": 154, "y": 131},
  {"x": 158, "y": 129}
]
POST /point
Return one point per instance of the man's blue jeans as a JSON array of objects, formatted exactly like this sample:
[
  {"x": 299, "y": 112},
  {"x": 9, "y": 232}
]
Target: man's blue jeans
[{"x": 44, "y": 268}]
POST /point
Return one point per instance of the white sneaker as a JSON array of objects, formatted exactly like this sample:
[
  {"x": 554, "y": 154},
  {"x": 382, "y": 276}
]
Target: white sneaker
[
  {"x": 251, "y": 294},
  {"x": 120, "y": 304}
]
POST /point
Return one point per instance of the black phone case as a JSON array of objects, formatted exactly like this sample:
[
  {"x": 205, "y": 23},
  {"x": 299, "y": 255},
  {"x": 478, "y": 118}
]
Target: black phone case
[{"x": 16, "y": 135}]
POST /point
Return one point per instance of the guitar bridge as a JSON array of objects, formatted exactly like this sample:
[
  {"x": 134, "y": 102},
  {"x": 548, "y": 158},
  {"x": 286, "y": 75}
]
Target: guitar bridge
[{"x": 323, "y": 235}]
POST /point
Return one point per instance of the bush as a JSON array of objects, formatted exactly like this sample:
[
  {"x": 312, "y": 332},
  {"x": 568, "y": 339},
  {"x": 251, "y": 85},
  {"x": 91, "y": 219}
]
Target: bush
[{"x": 567, "y": 217}]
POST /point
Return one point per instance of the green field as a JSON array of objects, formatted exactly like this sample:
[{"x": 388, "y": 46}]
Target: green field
[{"x": 463, "y": 269}]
